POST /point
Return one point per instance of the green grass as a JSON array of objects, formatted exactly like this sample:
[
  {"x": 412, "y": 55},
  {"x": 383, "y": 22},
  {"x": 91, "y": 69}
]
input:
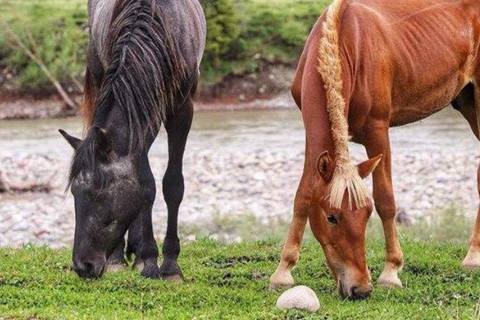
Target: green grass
[{"x": 230, "y": 282}]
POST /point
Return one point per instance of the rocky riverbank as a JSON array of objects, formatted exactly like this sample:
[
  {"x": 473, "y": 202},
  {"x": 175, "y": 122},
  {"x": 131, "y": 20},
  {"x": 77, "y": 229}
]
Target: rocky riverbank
[
  {"x": 262, "y": 184},
  {"x": 263, "y": 89}
]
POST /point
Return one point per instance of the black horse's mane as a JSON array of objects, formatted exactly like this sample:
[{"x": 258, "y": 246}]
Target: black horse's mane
[{"x": 144, "y": 78}]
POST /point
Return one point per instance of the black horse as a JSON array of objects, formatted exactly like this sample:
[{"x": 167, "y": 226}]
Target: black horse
[{"x": 142, "y": 71}]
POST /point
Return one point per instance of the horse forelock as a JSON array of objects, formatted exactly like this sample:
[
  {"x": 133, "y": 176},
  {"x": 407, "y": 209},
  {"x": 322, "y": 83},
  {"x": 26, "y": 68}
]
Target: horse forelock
[
  {"x": 90, "y": 171},
  {"x": 85, "y": 165}
]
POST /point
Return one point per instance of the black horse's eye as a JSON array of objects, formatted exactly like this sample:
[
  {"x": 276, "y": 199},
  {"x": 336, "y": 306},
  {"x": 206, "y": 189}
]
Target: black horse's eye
[{"x": 332, "y": 219}]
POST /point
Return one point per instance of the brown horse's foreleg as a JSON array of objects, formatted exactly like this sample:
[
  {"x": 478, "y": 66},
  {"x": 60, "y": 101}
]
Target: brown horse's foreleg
[
  {"x": 282, "y": 277},
  {"x": 472, "y": 260},
  {"x": 469, "y": 105},
  {"x": 377, "y": 142}
]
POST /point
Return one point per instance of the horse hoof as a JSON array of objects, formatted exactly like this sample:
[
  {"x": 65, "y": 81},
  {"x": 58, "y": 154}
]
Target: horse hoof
[
  {"x": 175, "y": 275},
  {"x": 116, "y": 267},
  {"x": 171, "y": 271},
  {"x": 472, "y": 260},
  {"x": 173, "y": 278},
  {"x": 152, "y": 272},
  {"x": 280, "y": 286},
  {"x": 281, "y": 282},
  {"x": 389, "y": 281}
]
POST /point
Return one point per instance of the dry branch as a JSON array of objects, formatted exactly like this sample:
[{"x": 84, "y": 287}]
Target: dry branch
[{"x": 17, "y": 43}]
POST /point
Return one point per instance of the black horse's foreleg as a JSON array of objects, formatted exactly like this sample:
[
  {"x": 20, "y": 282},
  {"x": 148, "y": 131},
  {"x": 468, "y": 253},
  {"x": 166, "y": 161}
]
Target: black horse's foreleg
[
  {"x": 178, "y": 127},
  {"x": 116, "y": 261},
  {"x": 148, "y": 246},
  {"x": 134, "y": 242},
  {"x": 149, "y": 249}
]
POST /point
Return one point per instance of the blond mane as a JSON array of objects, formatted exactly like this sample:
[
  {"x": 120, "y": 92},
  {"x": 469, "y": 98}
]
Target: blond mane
[{"x": 345, "y": 177}]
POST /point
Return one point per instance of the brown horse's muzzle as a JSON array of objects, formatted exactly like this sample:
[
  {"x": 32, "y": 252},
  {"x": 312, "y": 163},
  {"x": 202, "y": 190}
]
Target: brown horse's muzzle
[
  {"x": 354, "y": 292},
  {"x": 355, "y": 285}
]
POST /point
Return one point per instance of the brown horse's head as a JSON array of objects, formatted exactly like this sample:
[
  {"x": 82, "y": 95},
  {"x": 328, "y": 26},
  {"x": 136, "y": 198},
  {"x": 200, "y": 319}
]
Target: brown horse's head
[{"x": 341, "y": 232}]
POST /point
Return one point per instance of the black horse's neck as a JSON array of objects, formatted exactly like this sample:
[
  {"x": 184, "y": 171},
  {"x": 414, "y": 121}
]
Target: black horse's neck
[{"x": 121, "y": 134}]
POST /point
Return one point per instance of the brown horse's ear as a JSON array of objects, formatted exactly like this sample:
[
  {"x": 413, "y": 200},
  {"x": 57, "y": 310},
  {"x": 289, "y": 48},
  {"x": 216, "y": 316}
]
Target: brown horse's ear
[
  {"x": 367, "y": 167},
  {"x": 74, "y": 142},
  {"x": 325, "y": 166}
]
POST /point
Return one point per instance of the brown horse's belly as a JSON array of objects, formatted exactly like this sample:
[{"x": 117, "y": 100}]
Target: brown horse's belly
[
  {"x": 416, "y": 107},
  {"x": 410, "y": 115}
]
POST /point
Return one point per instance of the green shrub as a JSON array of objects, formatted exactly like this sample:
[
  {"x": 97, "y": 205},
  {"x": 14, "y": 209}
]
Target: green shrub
[
  {"x": 57, "y": 36},
  {"x": 272, "y": 31},
  {"x": 223, "y": 32},
  {"x": 223, "y": 28},
  {"x": 242, "y": 34}
]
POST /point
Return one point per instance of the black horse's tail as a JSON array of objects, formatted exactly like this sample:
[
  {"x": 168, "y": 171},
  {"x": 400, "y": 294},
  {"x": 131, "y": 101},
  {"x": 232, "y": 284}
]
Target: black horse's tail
[{"x": 146, "y": 70}]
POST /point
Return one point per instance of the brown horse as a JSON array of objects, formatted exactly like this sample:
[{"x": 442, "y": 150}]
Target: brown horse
[{"x": 370, "y": 65}]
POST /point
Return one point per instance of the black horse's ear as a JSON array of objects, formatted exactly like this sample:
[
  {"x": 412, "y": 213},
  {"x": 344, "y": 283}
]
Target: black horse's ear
[
  {"x": 74, "y": 142},
  {"x": 103, "y": 139}
]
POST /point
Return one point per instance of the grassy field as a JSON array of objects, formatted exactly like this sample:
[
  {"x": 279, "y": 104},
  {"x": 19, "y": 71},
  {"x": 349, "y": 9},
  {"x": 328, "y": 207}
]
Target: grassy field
[{"x": 231, "y": 281}]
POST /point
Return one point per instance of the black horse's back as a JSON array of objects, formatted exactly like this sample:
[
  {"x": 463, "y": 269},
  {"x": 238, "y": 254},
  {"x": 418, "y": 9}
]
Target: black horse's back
[{"x": 147, "y": 75}]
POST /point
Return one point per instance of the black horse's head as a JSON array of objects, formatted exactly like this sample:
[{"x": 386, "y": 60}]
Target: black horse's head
[{"x": 108, "y": 196}]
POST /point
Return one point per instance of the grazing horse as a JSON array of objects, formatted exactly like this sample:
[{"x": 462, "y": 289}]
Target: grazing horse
[
  {"x": 142, "y": 71},
  {"x": 369, "y": 65}
]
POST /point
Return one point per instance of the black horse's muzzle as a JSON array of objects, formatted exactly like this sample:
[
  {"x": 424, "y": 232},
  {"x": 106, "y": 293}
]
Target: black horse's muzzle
[{"x": 89, "y": 270}]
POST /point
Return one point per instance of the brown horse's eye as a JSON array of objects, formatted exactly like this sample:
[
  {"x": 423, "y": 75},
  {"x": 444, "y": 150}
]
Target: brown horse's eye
[{"x": 332, "y": 219}]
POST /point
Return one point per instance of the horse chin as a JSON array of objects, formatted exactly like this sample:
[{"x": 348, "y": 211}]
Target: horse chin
[
  {"x": 102, "y": 270},
  {"x": 342, "y": 291},
  {"x": 99, "y": 271}
]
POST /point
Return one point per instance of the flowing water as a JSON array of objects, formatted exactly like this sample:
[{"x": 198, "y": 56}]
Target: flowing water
[{"x": 246, "y": 131}]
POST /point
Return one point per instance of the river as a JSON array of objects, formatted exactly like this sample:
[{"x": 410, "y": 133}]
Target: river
[{"x": 246, "y": 130}]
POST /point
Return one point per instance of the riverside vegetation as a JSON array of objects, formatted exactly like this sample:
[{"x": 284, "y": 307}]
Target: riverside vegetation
[{"x": 243, "y": 36}]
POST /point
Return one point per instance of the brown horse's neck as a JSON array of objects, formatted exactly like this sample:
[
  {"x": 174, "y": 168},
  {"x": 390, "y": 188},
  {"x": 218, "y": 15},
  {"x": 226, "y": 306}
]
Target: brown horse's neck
[
  {"x": 316, "y": 122},
  {"x": 314, "y": 111}
]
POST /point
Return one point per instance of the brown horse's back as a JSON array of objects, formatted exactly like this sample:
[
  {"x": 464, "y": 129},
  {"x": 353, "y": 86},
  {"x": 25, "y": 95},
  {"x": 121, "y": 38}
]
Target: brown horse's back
[
  {"x": 413, "y": 56},
  {"x": 394, "y": 52}
]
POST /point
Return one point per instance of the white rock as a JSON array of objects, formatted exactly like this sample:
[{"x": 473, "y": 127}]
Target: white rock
[{"x": 299, "y": 297}]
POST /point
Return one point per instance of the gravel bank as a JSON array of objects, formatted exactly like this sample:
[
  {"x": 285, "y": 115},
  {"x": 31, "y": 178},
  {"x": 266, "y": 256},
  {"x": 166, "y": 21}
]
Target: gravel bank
[{"x": 261, "y": 183}]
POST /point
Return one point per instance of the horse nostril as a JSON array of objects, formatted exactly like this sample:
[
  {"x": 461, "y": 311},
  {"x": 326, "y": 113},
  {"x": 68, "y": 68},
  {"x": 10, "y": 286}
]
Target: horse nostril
[
  {"x": 84, "y": 270},
  {"x": 353, "y": 291},
  {"x": 88, "y": 267},
  {"x": 358, "y": 293}
]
